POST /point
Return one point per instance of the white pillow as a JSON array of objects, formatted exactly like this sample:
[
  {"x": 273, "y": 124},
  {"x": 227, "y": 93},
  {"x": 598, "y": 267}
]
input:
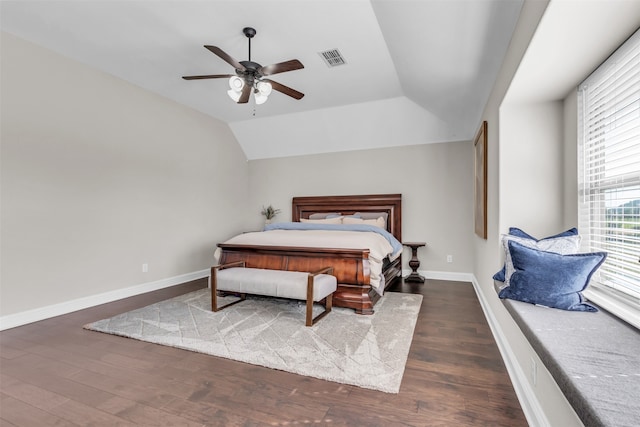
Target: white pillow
[
  {"x": 373, "y": 215},
  {"x": 324, "y": 215},
  {"x": 336, "y": 220},
  {"x": 564, "y": 245},
  {"x": 379, "y": 222}
]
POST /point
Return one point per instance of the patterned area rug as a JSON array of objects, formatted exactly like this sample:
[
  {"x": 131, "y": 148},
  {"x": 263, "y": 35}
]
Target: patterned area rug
[{"x": 365, "y": 351}]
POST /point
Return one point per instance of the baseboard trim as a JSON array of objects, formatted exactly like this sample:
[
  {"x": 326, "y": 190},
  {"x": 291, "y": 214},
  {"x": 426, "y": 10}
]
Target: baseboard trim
[
  {"x": 37, "y": 314},
  {"x": 441, "y": 275},
  {"x": 526, "y": 396}
]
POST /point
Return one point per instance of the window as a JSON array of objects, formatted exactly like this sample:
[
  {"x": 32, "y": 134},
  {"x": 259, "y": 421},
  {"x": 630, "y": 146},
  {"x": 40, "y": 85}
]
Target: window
[{"x": 609, "y": 178}]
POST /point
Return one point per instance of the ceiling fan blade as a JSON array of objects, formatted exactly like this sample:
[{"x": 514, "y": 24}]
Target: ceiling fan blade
[
  {"x": 224, "y": 56},
  {"x": 244, "y": 96},
  {"x": 281, "y": 67},
  {"x": 210, "y": 76},
  {"x": 284, "y": 89}
]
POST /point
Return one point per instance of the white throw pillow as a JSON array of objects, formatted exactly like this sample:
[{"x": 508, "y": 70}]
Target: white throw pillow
[
  {"x": 565, "y": 245},
  {"x": 336, "y": 220},
  {"x": 378, "y": 222}
]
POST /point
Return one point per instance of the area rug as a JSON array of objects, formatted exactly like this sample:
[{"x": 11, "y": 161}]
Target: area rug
[{"x": 368, "y": 351}]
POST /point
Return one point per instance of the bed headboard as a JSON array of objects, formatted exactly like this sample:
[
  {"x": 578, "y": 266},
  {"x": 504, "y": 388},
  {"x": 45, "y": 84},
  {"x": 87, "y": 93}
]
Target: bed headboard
[{"x": 302, "y": 207}]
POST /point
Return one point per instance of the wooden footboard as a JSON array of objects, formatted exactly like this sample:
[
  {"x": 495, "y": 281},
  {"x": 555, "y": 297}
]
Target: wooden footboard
[{"x": 350, "y": 266}]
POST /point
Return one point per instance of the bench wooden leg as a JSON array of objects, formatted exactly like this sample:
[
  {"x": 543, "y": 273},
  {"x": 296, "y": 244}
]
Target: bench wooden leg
[
  {"x": 328, "y": 303},
  {"x": 309, "y": 321},
  {"x": 214, "y": 291}
]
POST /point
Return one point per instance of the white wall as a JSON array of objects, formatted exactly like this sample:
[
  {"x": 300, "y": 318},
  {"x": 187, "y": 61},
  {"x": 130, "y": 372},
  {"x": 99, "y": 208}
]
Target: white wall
[
  {"x": 532, "y": 159},
  {"x": 99, "y": 177},
  {"x": 376, "y": 124},
  {"x": 532, "y": 198},
  {"x": 435, "y": 180},
  {"x": 570, "y": 163},
  {"x": 542, "y": 402}
]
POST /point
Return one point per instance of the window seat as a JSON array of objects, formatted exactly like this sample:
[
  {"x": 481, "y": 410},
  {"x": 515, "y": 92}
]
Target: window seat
[{"x": 593, "y": 357}]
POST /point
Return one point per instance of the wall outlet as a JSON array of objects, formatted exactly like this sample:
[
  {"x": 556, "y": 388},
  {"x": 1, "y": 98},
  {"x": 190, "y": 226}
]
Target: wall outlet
[
  {"x": 534, "y": 372},
  {"x": 449, "y": 258},
  {"x": 145, "y": 268}
]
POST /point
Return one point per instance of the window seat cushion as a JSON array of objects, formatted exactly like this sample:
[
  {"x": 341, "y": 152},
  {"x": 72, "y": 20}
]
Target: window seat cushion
[{"x": 594, "y": 358}]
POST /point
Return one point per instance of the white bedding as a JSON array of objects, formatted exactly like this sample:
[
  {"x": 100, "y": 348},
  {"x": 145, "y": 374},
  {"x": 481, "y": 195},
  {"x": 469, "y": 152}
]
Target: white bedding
[{"x": 378, "y": 246}]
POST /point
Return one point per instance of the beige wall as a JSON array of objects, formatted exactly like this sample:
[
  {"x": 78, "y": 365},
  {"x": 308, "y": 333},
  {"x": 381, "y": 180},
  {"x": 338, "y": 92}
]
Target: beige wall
[
  {"x": 99, "y": 177},
  {"x": 570, "y": 160},
  {"x": 487, "y": 252},
  {"x": 515, "y": 165},
  {"x": 532, "y": 198},
  {"x": 516, "y": 350},
  {"x": 532, "y": 159},
  {"x": 435, "y": 180}
]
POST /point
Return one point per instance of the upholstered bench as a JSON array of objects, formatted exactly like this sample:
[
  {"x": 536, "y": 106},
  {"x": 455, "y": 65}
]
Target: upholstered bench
[
  {"x": 593, "y": 358},
  {"x": 312, "y": 287}
]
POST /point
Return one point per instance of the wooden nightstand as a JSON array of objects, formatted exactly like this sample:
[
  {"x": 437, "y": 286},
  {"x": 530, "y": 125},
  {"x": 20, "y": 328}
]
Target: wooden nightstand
[{"x": 414, "y": 263}]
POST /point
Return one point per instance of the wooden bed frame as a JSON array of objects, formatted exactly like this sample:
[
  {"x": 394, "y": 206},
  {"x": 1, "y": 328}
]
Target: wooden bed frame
[{"x": 350, "y": 266}]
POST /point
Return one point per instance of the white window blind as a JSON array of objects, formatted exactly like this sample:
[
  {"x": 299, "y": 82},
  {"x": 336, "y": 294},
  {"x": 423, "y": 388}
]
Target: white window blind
[{"x": 609, "y": 169}]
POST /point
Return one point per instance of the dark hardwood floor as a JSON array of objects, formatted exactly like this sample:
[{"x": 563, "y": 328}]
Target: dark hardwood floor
[{"x": 56, "y": 373}]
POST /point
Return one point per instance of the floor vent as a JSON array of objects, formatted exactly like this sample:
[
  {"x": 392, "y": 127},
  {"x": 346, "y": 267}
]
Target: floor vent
[{"x": 332, "y": 57}]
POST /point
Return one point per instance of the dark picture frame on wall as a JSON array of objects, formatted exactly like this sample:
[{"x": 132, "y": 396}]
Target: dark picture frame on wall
[{"x": 480, "y": 183}]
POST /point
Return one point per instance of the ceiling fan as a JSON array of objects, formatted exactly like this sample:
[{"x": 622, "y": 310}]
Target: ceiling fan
[{"x": 250, "y": 76}]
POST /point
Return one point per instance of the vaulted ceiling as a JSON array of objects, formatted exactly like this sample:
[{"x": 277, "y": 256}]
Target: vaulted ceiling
[{"x": 416, "y": 71}]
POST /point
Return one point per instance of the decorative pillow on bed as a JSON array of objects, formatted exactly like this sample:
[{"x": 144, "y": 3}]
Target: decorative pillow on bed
[
  {"x": 324, "y": 215},
  {"x": 336, "y": 220},
  {"x": 514, "y": 231},
  {"x": 373, "y": 215},
  {"x": 551, "y": 279},
  {"x": 559, "y": 245},
  {"x": 379, "y": 222}
]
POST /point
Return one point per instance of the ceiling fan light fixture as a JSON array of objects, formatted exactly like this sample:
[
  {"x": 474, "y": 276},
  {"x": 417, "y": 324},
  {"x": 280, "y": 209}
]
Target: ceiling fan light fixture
[
  {"x": 236, "y": 84},
  {"x": 264, "y": 88},
  {"x": 249, "y": 75},
  {"x": 260, "y": 99},
  {"x": 262, "y": 92},
  {"x": 234, "y": 95}
]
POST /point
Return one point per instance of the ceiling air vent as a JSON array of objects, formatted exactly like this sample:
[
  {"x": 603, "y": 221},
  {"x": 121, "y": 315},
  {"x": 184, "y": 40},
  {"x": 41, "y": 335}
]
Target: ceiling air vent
[{"x": 332, "y": 57}]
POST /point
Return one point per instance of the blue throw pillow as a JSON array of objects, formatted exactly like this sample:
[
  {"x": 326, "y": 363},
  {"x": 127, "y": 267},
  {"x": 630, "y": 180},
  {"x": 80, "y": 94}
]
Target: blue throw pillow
[
  {"x": 499, "y": 276},
  {"x": 551, "y": 279},
  {"x": 515, "y": 231}
]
